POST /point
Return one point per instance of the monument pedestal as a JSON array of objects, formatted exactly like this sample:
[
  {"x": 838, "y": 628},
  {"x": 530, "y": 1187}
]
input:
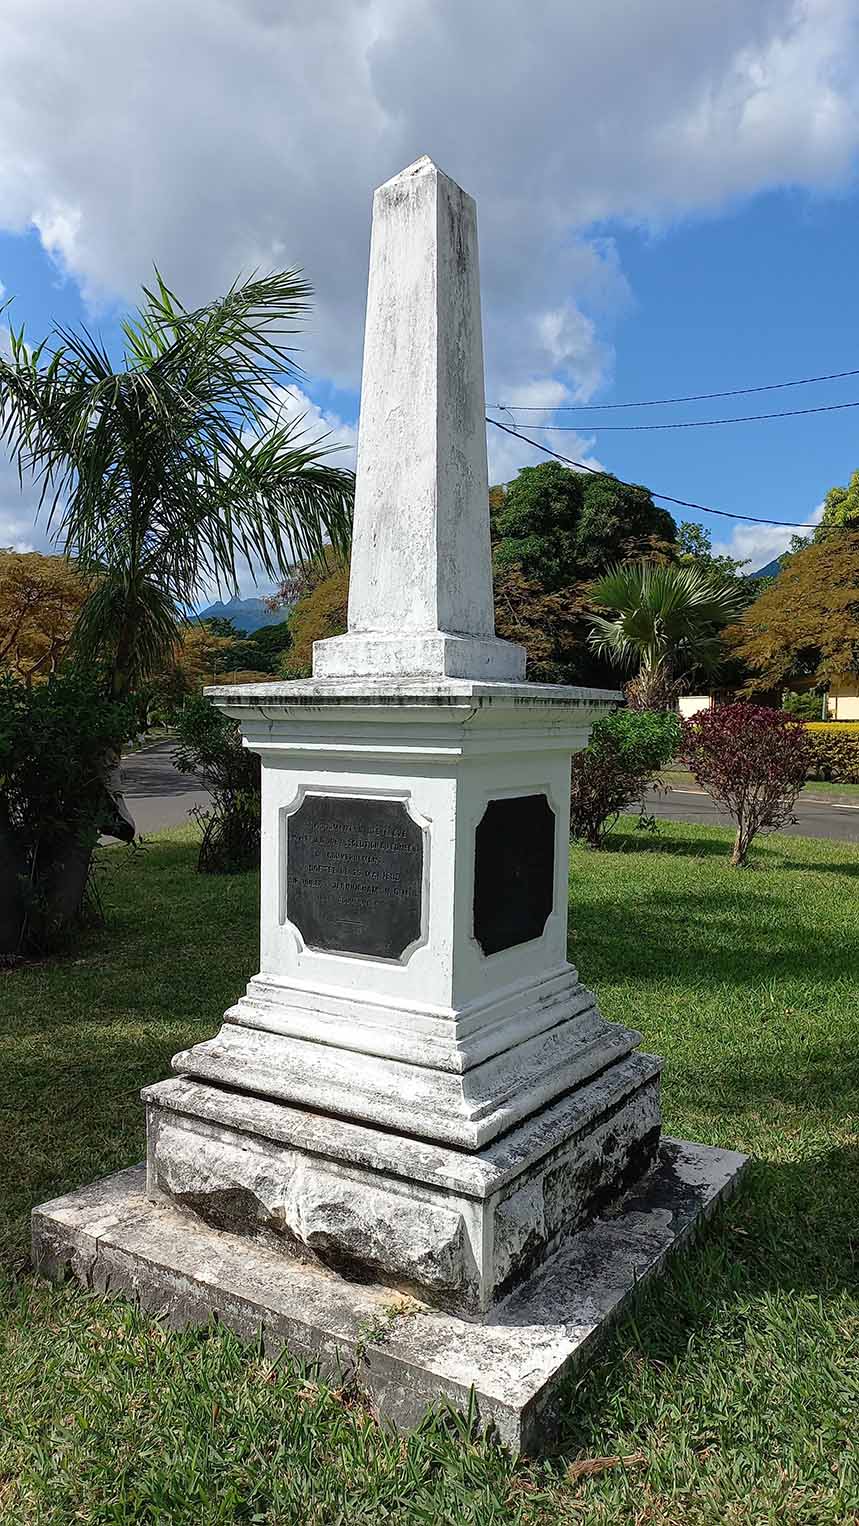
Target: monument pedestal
[{"x": 416, "y": 1089}]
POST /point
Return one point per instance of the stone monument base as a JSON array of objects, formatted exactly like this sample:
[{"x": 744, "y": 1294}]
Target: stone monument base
[
  {"x": 456, "y": 1230},
  {"x": 402, "y": 1354}
]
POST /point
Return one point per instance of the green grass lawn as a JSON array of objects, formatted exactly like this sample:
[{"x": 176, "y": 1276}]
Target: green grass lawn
[{"x": 733, "y": 1389}]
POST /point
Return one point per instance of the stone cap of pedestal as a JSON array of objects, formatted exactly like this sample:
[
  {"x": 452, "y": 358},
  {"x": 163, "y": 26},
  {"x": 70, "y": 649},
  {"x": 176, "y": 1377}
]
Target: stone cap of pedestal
[
  {"x": 454, "y": 694},
  {"x": 445, "y": 717}
]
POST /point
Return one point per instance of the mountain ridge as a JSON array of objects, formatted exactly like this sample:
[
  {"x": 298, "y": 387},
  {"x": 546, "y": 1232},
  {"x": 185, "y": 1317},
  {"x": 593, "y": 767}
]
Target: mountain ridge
[{"x": 247, "y": 615}]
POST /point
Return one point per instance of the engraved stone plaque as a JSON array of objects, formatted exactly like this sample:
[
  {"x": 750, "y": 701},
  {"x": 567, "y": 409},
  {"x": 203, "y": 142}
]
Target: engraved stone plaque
[
  {"x": 514, "y": 871},
  {"x": 354, "y": 875}
]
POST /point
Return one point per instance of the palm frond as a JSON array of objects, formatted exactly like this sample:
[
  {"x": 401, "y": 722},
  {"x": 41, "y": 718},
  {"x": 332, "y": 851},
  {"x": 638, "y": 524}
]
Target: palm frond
[
  {"x": 134, "y": 621},
  {"x": 665, "y": 616},
  {"x": 167, "y": 472}
]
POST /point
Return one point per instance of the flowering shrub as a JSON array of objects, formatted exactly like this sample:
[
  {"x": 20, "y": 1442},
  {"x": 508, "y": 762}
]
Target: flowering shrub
[
  {"x": 752, "y": 760},
  {"x": 626, "y": 749}
]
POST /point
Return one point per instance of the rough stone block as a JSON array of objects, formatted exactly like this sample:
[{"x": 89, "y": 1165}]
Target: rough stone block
[
  {"x": 113, "y": 1238},
  {"x": 459, "y": 1230}
]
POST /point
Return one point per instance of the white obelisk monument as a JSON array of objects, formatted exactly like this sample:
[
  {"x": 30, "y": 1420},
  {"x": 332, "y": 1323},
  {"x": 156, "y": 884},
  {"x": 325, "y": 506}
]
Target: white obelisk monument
[{"x": 416, "y": 1096}]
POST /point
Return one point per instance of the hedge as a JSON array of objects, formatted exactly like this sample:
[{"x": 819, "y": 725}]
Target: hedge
[{"x": 835, "y": 750}]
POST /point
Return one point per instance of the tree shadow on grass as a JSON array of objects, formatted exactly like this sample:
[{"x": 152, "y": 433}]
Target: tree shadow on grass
[
  {"x": 702, "y": 936},
  {"x": 656, "y": 842},
  {"x": 790, "y": 1231},
  {"x": 816, "y": 1084},
  {"x": 767, "y": 852},
  {"x": 845, "y": 871}
]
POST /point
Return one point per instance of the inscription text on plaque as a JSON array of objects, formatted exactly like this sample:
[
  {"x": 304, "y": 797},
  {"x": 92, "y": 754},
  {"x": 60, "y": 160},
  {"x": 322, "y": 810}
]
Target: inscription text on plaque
[{"x": 354, "y": 875}]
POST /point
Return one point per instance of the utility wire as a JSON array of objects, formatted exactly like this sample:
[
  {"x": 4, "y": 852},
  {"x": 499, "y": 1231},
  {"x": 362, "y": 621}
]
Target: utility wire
[
  {"x": 659, "y": 402},
  {"x": 745, "y": 418},
  {"x": 683, "y": 503}
]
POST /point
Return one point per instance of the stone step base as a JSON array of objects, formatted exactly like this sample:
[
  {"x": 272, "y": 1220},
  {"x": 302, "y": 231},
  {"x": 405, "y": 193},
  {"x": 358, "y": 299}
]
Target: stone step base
[
  {"x": 458, "y": 1229},
  {"x": 465, "y": 1110},
  {"x": 404, "y": 1356}
]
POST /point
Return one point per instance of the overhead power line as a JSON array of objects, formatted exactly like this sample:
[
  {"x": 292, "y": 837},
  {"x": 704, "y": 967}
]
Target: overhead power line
[
  {"x": 683, "y": 503},
  {"x": 659, "y": 402},
  {"x": 745, "y": 418}
]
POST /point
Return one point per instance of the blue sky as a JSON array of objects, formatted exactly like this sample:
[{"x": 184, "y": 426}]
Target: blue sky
[{"x": 666, "y": 205}]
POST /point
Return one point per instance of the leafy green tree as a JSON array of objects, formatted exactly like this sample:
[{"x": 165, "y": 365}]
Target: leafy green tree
[
  {"x": 666, "y": 626},
  {"x": 553, "y": 530},
  {"x": 268, "y": 644},
  {"x": 561, "y": 527},
  {"x": 220, "y": 626},
  {"x": 806, "y": 624},
  {"x": 695, "y": 549},
  {"x": 53, "y": 804},
  {"x": 258, "y": 650},
  {"x": 840, "y": 512},
  {"x": 840, "y": 508},
  {"x": 164, "y": 474},
  {"x": 210, "y": 746}
]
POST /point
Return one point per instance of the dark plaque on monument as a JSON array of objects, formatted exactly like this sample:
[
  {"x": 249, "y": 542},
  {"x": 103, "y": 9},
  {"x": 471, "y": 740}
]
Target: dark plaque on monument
[
  {"x": 514, "y": 871},
  {"x": 354, "y": 875}
]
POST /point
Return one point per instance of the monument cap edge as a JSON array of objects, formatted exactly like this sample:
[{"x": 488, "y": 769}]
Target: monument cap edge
[{"x": 401, "y": 691}]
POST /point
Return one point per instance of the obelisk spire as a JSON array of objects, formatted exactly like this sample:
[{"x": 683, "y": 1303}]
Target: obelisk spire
[{"x": 420, "y": 596}]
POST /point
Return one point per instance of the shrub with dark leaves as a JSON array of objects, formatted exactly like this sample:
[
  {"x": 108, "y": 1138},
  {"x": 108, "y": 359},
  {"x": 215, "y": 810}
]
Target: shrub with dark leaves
[
  {"x": 210, "y": 746},
  {"x": 753, "y": 761},
  {"x": 58, "y": 743},
  {"x": 625, "y": 751}
]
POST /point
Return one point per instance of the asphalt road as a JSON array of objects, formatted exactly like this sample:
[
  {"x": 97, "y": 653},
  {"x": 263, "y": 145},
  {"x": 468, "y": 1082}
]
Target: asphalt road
[
  {"x": 156, "y": 794},
  {"x": 815, "y": 818},
  {"x": 159, "y": 796}
]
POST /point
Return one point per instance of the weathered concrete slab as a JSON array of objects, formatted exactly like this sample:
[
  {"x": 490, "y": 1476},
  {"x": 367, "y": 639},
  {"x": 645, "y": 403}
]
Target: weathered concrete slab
[{"x": 113, "y": 1239}]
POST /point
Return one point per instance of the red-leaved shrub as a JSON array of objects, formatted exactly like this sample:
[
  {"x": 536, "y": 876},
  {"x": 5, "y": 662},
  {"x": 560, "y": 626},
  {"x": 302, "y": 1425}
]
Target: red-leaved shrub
[{"x": 752, "y": 760}]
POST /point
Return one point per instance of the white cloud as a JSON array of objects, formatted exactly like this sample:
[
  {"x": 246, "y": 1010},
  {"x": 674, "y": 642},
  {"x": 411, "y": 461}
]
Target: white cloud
[
  {"x": 508, "y": 455},
  {"x": 217, "y": 135},
  {"x": 19, "y": 526},
  {"x": 321, "y": 426},
  {"x": 759, "y": 544},
  {"x": 572, "y": 346},
  {"x": 15, "y": 535}
]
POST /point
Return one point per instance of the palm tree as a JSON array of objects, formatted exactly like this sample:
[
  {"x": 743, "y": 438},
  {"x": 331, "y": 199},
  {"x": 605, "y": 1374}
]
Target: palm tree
[
  {"x": 667, "y": 623},
  {"x": 160, "y": 477},
  {"x": 163, "y": 476}
]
